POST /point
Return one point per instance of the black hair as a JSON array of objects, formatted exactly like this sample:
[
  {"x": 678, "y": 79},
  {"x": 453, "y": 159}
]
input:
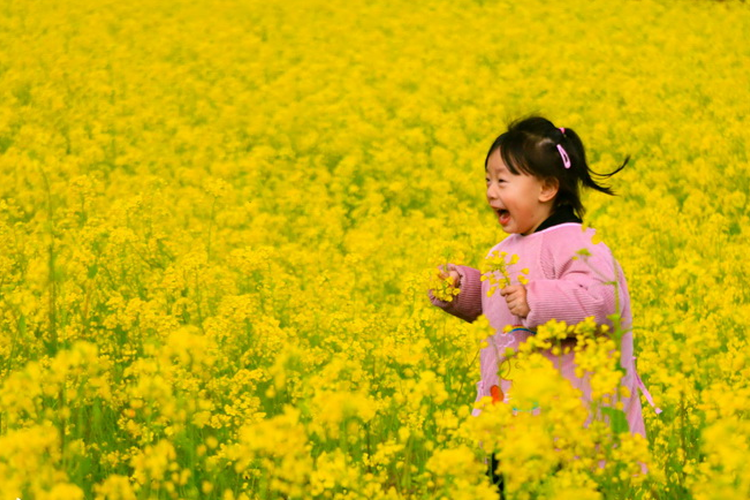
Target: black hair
[{"x": 530, "y": 146}]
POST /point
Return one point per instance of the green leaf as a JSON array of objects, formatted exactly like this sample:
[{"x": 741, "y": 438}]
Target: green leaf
[{"x": 617, "y": 419}]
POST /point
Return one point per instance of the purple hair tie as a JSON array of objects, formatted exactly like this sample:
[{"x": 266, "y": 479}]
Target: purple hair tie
[{"x": 562, "y": 129}]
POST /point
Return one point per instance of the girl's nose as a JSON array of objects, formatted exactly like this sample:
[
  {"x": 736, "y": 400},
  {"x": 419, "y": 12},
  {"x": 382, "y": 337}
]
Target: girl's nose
[{"x": 491, "y": 192}]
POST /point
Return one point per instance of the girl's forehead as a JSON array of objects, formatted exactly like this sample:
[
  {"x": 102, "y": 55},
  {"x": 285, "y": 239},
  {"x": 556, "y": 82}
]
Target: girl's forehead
[{"x": 495, "y": 163}]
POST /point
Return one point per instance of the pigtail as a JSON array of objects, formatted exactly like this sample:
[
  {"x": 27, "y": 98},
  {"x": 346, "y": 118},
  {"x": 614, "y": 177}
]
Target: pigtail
[{"x": 582, "y": 170}]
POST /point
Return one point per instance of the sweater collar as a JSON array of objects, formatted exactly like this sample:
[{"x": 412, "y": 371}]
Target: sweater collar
[{"x": 562, "y": 215}]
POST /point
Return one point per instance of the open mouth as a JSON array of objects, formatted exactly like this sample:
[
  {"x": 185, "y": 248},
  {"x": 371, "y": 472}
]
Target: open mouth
[{"x": 503, "y": 216}]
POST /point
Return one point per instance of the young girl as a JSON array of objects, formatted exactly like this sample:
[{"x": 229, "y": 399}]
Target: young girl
[{"x": 534, "y": 173}]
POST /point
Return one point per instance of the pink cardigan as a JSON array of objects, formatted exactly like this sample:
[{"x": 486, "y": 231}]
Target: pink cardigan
[{"x": 560, "y": 287}]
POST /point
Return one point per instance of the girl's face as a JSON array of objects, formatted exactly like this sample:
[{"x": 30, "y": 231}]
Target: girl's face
[{"x": 521, "y": 202}]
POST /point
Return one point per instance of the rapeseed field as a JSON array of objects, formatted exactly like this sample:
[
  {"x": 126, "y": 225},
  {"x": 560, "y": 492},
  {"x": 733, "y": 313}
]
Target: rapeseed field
[{"x": 219, "y": 221}]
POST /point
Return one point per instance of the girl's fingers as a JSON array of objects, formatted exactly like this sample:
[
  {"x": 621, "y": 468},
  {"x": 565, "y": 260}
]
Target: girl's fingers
[
  {"x": 451, "y": 273},
  {"x": 516, "y": 303}
]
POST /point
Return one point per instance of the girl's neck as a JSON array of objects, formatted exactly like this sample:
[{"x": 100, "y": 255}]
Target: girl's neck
[{"x": 560, "y": 215}]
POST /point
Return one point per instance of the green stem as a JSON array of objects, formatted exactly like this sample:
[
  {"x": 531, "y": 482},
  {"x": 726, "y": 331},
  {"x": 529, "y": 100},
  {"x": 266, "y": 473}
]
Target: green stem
[
  {"x": 210, "y": 229},
  {"x": 52, "y": 303}
]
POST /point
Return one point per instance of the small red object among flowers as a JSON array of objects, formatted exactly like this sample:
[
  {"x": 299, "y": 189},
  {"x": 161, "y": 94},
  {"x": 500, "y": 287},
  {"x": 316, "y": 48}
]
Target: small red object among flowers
[{"x": 497, "y": 394}]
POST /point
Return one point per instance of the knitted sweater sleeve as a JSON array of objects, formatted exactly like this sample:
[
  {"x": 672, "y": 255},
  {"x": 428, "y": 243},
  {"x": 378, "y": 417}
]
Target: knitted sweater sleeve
[
  {"x": 467, "y": 305},
  {"x": 579, "y": 286}
]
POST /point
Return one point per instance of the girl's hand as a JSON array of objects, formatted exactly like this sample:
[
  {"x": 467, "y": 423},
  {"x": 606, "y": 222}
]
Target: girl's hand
[
  {"x": 445, "y": 283},
  {"x": 515, "y": 297},
  {"x": 451, "y": 272}
]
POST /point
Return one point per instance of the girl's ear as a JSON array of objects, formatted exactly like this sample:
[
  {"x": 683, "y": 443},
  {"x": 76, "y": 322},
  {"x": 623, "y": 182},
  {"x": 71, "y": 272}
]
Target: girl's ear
[{"x": 550, "y": 187}]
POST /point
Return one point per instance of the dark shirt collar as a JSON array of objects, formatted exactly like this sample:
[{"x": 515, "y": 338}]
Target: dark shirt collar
[{"x": 561, "y": 215}]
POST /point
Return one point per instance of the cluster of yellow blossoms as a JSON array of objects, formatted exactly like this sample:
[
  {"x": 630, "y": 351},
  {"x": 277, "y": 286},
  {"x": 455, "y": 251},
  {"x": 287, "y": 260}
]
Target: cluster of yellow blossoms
[
  {"x": 494, "y": 269},
  {"x": 216, "y": 219}
]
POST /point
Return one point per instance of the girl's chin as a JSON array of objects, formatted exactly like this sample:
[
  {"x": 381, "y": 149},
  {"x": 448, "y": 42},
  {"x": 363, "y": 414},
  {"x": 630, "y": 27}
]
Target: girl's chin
[
  {"x": 513, "y": 229},
  {"x": 508, "y": 225}
]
